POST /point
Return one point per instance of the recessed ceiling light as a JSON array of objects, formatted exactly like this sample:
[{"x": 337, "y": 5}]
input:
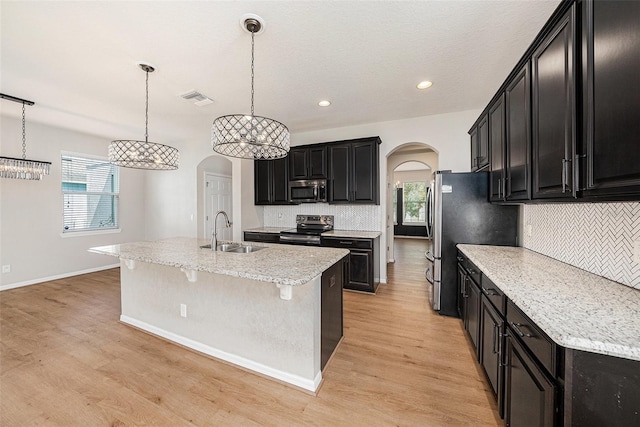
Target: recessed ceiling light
[
  {"x": 423, "y": 85},
  {"x": 324, "y": 103}
]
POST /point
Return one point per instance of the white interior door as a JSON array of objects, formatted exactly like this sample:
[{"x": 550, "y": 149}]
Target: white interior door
[{"x": 217, "y": 198}]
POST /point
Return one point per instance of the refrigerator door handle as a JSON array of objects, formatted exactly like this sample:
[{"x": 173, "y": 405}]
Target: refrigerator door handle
[{"x": 437, "y": 226}]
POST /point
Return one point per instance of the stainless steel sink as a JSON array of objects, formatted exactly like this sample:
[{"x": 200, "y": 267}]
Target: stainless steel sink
[
  {"x": 235, "y": 247},
  {"x": 246, "y": 249},
  {"x": 224, "y": 247}
]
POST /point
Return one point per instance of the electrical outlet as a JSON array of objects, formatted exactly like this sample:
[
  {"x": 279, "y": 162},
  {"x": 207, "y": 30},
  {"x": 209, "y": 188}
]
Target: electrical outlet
[
  {"x": 529, "y": 230},
  {"x": 183, "y": 310},
  {"x": 636, "y": 251},
  {"x": 6, "y": 268}
]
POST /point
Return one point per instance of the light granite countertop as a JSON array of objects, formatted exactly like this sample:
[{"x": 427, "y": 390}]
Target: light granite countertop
[
  {"x": 352, "y": 234},
  {"x": 575, "y": 308},
  {"x": 280, "y": 264}
]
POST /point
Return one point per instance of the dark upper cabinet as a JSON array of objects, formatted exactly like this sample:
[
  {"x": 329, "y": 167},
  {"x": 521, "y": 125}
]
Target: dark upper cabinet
[
  {"x": 339, "y": 171},
  {"x": 496, "y": 150},
  {"x": 271, "y": 180},
  {"x": 611, "y": 98},
  {"x": 480, "y": 144},
  {"x": 353, "y": 171},
  {"x": 553, "y": 112},
  {"x": 518, "y": 135},
  {"x": 308, "y": 162}
]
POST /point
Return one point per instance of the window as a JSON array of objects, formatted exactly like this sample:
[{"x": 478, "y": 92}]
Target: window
[
  {"x": 90, "y": 193},
  {"x": 414, "y": 202}
]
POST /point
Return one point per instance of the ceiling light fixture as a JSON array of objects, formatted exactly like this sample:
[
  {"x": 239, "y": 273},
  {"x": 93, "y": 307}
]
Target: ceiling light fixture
[
  {"x": 324, "y": 103},
  {"x": 423, "y": 85},
  {"x": 11, "y": 167},
  {"x": 143, "y": 154},
  {"x": 250, "y": 136}
]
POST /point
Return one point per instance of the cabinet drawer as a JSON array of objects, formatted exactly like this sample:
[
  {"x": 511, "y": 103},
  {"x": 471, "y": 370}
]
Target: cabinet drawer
[
  {"x": 473, "y": 271},
  {"x": 494, "y": 294},
  {"x": 250, "y": 236},
  {"x": 347, "y": 243},
  {"x": 534, "y": 340}
]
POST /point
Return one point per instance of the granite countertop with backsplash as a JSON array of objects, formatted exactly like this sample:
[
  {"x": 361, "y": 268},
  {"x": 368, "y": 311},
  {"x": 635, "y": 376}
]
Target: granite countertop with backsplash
[
  {"x": 575, "y": 308},
  {"x": 280, "y": 264}
]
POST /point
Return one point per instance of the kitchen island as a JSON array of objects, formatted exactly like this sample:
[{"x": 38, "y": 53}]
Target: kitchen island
[{"x": 276, "y": 311}]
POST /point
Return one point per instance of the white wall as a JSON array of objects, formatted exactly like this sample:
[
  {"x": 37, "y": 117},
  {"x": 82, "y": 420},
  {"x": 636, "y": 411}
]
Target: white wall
[
  {"x": 31, "y": 211},
  {"x": 445, "y": 133}
]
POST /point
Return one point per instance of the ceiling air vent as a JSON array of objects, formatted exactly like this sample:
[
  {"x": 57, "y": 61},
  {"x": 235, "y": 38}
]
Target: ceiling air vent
[{"x": 199, "y": 99}]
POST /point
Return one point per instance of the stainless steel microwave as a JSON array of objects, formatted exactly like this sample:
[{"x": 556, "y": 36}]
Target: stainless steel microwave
[{"x": 308, "y": 191}]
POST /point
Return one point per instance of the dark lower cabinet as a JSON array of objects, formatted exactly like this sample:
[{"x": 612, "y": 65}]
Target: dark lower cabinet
[
  {"x": 611, "y": 98},
  {"x": 553, "y": 112},
  {"x": 518, "y": 138},
  {"x": 362, "y": 262},
  {"x": 331, "y": 322},
  {"x": 491, "y": 345},
  {"x": 530, "y": 396},
  {"x": 462, "y": 289},
  {"x": 472, "y": 313},
  {"x": 253, "y": 236}
]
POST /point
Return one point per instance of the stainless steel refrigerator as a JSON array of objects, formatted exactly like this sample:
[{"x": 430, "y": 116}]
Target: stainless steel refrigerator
[{"x": 461, "y": 213}]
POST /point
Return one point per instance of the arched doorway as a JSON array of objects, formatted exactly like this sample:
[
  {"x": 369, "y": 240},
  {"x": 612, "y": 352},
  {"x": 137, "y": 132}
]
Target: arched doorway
[{"x": 417, "y": 152}]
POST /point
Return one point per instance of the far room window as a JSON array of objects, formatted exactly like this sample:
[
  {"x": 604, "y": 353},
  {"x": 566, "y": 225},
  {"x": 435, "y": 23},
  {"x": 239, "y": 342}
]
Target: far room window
[
  {"x": 90, "y": 193},
  {"x": 414, "y": 202}
]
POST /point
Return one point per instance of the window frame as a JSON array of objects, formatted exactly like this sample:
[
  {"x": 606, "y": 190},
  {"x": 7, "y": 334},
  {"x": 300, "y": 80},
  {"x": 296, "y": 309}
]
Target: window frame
[
  {"x": 404, "y": 201},
  {"x": 89, "y": 231}
]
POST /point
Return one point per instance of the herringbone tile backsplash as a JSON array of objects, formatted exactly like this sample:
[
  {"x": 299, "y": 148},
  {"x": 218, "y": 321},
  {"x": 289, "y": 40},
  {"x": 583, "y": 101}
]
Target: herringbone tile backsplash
[
  {"x": 597, "y": 237},
  {"x": 347, "y": 217}
]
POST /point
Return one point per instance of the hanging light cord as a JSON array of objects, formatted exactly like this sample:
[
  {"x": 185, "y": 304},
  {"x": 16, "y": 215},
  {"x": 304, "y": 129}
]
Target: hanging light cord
[
  {"x": 146, "y": 110},
  {"x": 252, "y": 59},
  {"x": 24, "y": 137}
]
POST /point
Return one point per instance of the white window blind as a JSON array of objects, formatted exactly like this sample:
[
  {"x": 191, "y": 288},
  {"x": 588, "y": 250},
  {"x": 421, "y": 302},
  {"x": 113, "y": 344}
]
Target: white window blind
[{"x": 90, "y": 194}]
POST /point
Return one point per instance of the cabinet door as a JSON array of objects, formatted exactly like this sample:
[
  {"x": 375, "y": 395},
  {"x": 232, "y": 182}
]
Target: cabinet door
[
  {"x": 280, "y": 182},
  {"x": 474, "y": 148},
  {"x": 365, "y": 172},
  {"x": 491, "y": 345},
  {"x": 517, "y": 107},
  {"x": 361, "y": 270},
  {"x": 298, "y": 165},
  {"x": 611, "y": 64},
  {"x": 530, "y": 396},
  {"x": 496, "y": 150},
  {"x": 339, "y": 163},
  {"x": 262, "y": 181},
  {"x": 317, "y": 162},
  {"x": 553, "y": 104},
  {"x": 483, "y": 143},
  {"x": 472, "y": 311}
]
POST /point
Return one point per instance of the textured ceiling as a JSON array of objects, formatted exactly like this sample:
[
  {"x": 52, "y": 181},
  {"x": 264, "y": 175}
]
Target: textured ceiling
[{"x": 77, "y": 61}]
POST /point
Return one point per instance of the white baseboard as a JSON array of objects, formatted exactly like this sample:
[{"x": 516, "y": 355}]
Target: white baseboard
[
  {"x": 298, "y": 381},
  {"x": 56, "y": 277}
]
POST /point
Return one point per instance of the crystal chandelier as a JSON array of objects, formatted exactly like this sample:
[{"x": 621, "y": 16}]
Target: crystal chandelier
[
  {"x": 250, "y": 136},
  {"x": 143, "y": 154},
  {"x": 11, "y": 167}
]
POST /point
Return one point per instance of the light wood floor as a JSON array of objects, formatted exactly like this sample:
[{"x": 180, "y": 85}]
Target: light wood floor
[{"x": 66, "y": 360}]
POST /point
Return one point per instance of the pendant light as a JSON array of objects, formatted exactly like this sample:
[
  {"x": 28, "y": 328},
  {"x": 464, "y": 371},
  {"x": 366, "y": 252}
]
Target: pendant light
[
  {"x": 11, "y": 167},
  {"x": 250, "y": 136},
  {"x": 143, "y": 154}
]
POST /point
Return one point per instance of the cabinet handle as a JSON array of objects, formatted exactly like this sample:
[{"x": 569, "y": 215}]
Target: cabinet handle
[
  {"x": 499, "y": 187},
  {"x": 460, "y": 259},
  {"x": 522, "y": 334},
  {"x": 490, "y": 292},
  {"x": 495, "y": 338},
  {"x": 464, "y": 288},
  {"x": 342, "y": 242}
]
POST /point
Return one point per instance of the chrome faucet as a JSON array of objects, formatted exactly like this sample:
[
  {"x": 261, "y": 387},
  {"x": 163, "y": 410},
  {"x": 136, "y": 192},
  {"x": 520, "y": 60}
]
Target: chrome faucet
[{"x": 214, "y": 237}]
